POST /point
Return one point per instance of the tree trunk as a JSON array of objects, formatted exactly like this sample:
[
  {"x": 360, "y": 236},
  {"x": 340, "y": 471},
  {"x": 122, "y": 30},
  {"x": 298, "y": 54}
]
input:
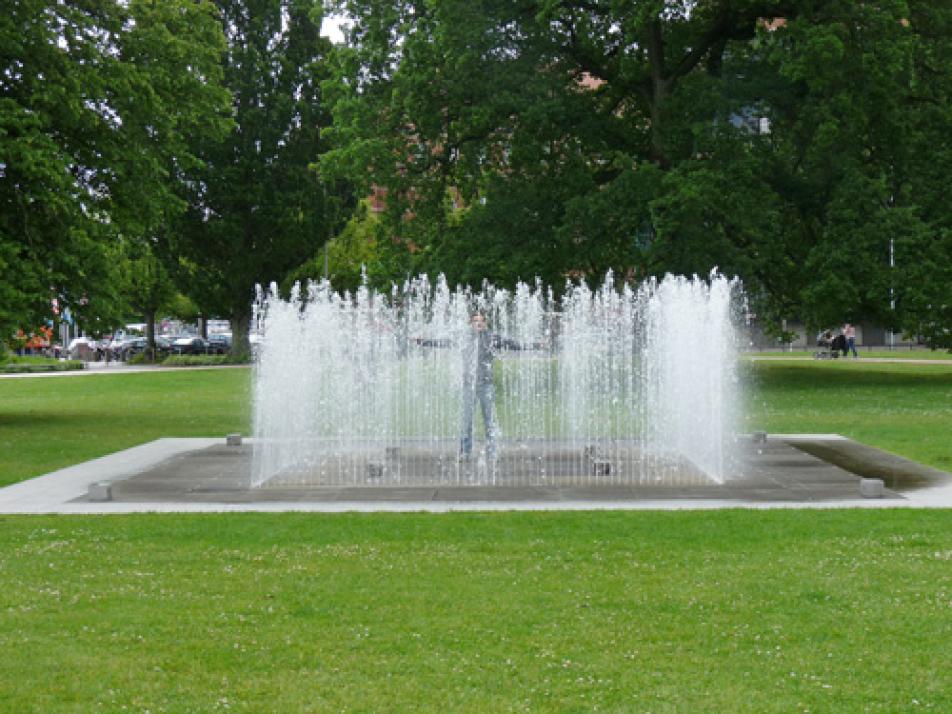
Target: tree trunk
[
  {"x": 240, "y": 320},
  {"x": 150, "y": 334},
  {"x": 659, "y": 94},
  {"x": 659, "y": 91}
]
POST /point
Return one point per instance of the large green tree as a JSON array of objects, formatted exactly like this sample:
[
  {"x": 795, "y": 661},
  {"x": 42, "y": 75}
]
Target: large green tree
[
  {"x": 789, "y": 142},
  {"x": 257, "y": 209},
  {"x": 99, "y": 103}
]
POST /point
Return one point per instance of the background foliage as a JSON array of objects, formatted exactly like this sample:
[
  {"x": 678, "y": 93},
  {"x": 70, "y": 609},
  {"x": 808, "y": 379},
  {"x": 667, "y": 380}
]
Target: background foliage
[
  {"x": 786, "y": 142},
  {"x": 800, "y": 144},
  {"x": 98, "y": 105}
]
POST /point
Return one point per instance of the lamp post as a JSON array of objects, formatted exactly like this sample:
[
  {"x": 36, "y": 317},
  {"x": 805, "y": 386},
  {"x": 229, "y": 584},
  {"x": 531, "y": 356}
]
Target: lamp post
[
  {"x": 892, "y": 294},
  {"x": 327, "y": 229}
]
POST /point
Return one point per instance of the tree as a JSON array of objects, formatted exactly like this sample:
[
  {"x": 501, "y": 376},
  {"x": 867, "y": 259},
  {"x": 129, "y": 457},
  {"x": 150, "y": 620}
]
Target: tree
[
  {"x": 568, "y": 106},
  {"x": 356, "y": 255},
  {"x": 146, "y": 286},
  {"x": 917, "y": 204},
  {"x": 97, "y": 102},
  {"x": 256, "y": 209},
  {"x": 787, "y": 142}
]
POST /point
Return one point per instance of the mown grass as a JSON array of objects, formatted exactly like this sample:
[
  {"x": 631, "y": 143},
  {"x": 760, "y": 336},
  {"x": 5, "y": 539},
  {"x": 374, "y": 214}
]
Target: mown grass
[
  {"x": 624, "y": 611},
  {"x": 706, "y": 611},
  {"x": 50, "y": 422},
  {"x": 903, "y": 408}
]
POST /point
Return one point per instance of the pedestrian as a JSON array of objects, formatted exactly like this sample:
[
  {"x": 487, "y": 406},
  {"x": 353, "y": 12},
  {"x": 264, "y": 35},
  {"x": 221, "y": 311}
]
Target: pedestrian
[
  {"x": 478, "y": 357},
  {"x": 849, "y": 332},
  {"x": 838, "y": 345}
]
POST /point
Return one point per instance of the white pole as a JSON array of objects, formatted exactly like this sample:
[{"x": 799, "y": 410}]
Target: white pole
[{"x": 892, "y": 294}]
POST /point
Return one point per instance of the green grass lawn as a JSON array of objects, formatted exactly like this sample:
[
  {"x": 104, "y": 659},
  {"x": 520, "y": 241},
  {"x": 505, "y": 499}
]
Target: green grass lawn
[
  {"x": 903, "y": 408},
  {"x": 50, "y": 422},
  {"x": 611, "y": 611},
  {"x": 620, "y": 611}
]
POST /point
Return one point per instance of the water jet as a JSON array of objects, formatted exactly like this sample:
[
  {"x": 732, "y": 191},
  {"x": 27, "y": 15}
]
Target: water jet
[{"x": 617, "y": 385}]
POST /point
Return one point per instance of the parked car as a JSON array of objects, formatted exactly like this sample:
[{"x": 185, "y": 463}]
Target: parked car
[
  {"x": 138, "y": 345},
  {"x": 129, "y": 348},
  {"x": 81, "y": 348},
  {"x": 220, "y": 342},
  {"x": 116, "y": 348},
  {"x": 193, "y": 346}
]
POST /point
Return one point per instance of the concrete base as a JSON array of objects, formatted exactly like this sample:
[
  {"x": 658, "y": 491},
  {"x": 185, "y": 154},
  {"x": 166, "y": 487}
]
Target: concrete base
[
  {"x": 871, "y": 488},
  {"x": 770, "y": 471},
  {"x": 100, "y": 491},
  {"x": 207, "y": 475}
]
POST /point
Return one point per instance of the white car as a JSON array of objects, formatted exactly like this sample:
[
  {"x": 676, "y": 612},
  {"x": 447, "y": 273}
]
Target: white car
[{"x": 81, "y": 348}]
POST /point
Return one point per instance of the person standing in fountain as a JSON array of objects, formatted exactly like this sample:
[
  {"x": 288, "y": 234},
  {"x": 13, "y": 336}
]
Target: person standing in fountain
[{"x": 478, "y": 358}]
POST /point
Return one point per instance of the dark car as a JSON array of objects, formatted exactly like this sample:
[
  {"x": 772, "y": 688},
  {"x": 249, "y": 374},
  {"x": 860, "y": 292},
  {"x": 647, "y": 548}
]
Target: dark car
[
  {"x": 127, "y": 348},
  {"x": 189, "y": 346},
  {"x": 138, "y": 345},
  {"x": 219, "y": 343}
]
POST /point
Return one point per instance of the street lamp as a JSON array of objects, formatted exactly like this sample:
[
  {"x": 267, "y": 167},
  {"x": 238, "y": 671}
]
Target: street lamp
[{"x": 892, "y": 294}]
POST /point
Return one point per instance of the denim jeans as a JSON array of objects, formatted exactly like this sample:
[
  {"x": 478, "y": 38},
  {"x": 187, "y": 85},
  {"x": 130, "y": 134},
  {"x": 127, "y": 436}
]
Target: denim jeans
[
  {"x": 851, "y": 345},
  {"x": 484, "y": 393}
]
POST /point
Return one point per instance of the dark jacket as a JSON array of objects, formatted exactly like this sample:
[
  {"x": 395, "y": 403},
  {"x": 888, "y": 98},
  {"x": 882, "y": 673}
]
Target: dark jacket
[{"x": 479, "y": 352}]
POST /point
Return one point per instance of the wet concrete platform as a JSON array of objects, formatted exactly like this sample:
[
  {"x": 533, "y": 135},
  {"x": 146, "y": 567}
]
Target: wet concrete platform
[
  {"x": 769, "y": 471},
  {"x": 181, "y": 475}
]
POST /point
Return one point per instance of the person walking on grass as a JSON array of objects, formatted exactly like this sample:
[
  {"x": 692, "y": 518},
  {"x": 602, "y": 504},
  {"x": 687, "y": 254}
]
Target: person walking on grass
[{"x": 849, "y": 332}]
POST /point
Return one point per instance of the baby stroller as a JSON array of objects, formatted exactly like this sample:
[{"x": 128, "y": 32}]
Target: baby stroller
[{"x": 829, "y": 347}]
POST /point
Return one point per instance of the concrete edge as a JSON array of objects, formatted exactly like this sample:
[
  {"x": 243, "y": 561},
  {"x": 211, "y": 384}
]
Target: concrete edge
[
  {"x": 74, "y": 481},
  {"x": 112, "y": 508},
  {"x": 897, "y": 472}
]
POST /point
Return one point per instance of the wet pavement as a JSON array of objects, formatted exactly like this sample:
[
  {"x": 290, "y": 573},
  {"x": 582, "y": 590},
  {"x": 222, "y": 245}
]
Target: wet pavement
[
  {"x": 771, "y": 471},
  {"x": 207, "y": 475}
]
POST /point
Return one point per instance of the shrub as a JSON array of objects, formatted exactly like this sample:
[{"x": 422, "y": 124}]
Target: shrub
[
  {"x": 205, "y": 360},
  {"x": 50, "y": 366},
  {"x": 140, "y": 358}
]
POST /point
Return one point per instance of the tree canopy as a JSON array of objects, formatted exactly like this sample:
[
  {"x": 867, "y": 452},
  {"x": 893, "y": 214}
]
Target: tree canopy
[
  {"x": 99, "y": 105},
  {"x": 256, "y": 208},
  {"x": 800, "y": 144},
  {"x": 788, "y": 142}
]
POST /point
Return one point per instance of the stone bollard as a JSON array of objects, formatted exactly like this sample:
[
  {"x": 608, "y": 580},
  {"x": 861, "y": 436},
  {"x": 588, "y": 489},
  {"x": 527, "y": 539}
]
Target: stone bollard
[
  {"x": 100, "y": 491},
  {"x": 871, "y": 487},
  {"x": 233, "y": 440}
]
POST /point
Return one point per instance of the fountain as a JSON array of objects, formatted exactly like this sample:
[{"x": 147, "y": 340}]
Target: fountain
[{"x": 614, "y": 386}]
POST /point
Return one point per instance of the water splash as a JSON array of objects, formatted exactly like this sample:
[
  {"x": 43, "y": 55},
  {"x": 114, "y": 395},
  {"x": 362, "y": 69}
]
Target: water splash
[{"x": 616, "y": 385}]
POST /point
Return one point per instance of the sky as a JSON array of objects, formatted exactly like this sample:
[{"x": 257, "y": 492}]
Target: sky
[{"x": 331, "y": 28}]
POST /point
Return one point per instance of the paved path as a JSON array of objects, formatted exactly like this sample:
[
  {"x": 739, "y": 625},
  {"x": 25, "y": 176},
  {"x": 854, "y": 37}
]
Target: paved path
[
  {"x": 93, "y": 368},
  {"x": 117, "y": 368},
  {"x": 860, "y": 360}
]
